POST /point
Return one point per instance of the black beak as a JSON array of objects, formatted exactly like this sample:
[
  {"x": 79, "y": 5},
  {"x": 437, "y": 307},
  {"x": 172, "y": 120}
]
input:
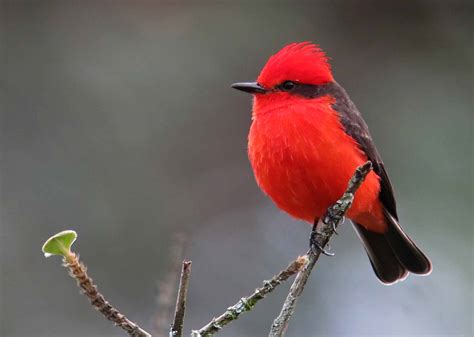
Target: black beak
[{"x": 250, "y": 87}]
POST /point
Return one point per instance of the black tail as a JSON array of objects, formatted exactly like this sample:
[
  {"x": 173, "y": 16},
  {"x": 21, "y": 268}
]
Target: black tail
[{"x": 393, "y": 254}]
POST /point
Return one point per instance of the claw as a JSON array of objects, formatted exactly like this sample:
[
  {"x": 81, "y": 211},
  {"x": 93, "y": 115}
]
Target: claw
[
  {"x": 334, "y": 228},
  {"x": 317, "y": 248}
]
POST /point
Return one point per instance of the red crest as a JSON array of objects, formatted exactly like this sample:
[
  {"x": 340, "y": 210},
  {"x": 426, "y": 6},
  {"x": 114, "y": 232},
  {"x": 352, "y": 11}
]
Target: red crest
[{"x": 302, "y": 62}]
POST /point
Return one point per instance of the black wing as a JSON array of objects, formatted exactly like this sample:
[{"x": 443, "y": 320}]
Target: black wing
[
  {"x": 391, "y": 253},
  {"x": 356, "y": 127}
]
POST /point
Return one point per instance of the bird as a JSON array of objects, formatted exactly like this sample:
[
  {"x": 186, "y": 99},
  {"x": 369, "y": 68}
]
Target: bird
[{"x": 306, "y": 139}]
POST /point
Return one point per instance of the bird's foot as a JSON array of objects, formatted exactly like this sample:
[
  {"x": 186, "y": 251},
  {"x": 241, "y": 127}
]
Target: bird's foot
[
  {"x": 333, "y": 225},
  {"x": 314, "y": 244},
  {"x": 316, "y": 248}
]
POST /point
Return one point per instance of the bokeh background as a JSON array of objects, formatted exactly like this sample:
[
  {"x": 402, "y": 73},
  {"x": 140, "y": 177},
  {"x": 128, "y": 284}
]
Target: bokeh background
[{"x": 118, "y": 121}]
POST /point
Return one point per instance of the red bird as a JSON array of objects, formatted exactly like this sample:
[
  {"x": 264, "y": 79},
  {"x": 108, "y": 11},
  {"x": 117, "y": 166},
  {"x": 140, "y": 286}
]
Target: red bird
[{"x": 306, "y": 140}]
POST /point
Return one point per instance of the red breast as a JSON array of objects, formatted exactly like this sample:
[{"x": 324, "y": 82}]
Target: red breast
[{"x": 303, "y": 159}]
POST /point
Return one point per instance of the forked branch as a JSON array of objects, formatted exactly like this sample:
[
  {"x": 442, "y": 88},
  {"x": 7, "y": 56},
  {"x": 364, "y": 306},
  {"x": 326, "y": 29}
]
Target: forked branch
[
  {"x": 322, "y": 232},
  {"x": 247, "y": 303},
  {"x": 60, "y": 244}
]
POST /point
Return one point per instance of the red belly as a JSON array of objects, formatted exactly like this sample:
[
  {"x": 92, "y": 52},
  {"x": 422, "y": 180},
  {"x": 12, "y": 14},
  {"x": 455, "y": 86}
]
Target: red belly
[{"x": 303, "y": 161}]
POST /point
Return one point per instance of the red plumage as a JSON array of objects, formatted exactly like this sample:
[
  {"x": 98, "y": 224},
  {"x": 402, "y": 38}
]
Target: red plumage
[
  {"x": 301, "y": 62},
  {"x": 303, "y": 159},
  {"x": 306, "y": 140}
]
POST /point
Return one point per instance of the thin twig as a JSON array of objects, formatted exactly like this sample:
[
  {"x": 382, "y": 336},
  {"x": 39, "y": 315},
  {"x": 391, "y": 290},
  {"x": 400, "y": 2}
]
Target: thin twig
[
  {"x": 78, "y": 271},
  {"x": 325, "y": 228},
  {"x": 167, "y": 287},
  {"x": 176, "y": 329},
  {"x": 248, "y": 303}
]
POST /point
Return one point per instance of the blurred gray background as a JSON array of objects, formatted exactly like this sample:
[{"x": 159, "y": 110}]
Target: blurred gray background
[{"x": 118, "y": 121}]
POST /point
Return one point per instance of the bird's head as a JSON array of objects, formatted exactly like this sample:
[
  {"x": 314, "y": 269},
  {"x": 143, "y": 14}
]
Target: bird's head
[{"x": 295, "y": 66}]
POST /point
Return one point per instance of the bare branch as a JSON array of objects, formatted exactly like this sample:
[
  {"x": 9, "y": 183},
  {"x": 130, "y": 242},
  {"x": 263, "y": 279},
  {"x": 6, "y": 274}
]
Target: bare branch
[
  {"x": 248, "y": 303},
  {"x": 177, "y": 326},
  {"x": 303, "y": 265},
  {"x": 323, "y": 231},
  {"x": 78, "y": 271},
  {"x": 167, "y": 287}
]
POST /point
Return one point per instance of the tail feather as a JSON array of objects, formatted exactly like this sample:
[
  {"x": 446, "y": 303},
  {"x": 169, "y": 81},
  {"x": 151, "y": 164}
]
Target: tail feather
[
  {"x": 385, "y": 263},
  {"x": 393, "y": 254},
  {"x": 409, "y": 255}
]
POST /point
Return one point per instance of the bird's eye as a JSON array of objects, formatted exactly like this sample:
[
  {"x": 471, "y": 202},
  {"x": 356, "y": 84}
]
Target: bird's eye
[{"x": 288, "y": 85}]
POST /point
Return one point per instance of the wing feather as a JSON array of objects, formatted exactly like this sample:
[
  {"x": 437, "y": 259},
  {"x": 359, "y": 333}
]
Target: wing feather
[{"x": 356, "y": 127}]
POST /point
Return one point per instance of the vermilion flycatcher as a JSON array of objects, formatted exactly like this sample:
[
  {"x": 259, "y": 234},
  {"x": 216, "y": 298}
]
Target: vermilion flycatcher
[{"x": 306, "y": 140}]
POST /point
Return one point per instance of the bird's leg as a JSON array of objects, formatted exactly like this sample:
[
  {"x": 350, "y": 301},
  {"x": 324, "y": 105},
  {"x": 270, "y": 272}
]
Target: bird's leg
[{"x": 314, "y": 244}]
